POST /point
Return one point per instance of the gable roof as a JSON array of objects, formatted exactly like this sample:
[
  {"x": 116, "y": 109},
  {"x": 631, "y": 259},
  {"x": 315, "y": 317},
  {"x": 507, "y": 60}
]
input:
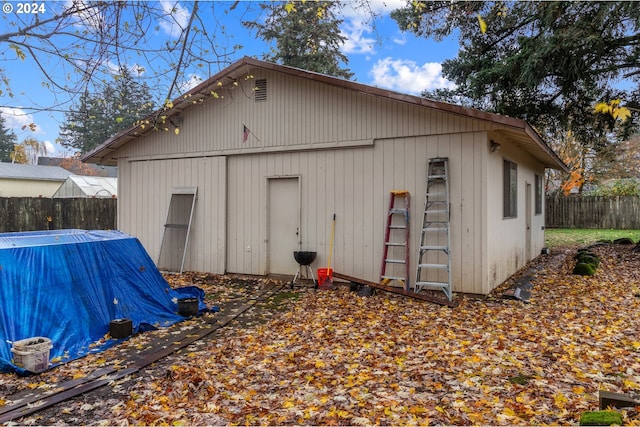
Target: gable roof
[
  {"x": 517, "y": 130},
  {"x": 78, "y": 168},
  {"x": 88, "y": 186},
  {"x": 32, "y": 172}
]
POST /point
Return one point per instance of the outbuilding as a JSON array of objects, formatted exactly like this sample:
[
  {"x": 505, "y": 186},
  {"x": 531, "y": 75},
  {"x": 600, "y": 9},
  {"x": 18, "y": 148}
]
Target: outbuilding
[
  {"x": 256, "y": 161},
  {"x": 88, "y": 187},
  {"x": 22, "y": 180}
]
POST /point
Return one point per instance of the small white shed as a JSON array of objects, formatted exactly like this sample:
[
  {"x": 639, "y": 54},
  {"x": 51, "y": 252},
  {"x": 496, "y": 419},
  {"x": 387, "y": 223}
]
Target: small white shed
[{"x": 274, "y": 152}]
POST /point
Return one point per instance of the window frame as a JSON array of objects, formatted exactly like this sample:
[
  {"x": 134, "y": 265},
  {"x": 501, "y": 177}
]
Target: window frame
[
  {"x": 539, "y": 191},
  {"x": 509, "y": 189}
]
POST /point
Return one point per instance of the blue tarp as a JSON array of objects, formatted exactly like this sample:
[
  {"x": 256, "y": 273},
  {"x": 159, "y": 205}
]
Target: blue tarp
[{"x": 68, "y": 285}]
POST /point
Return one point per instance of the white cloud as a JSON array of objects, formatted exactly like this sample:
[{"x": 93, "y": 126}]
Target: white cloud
[
  {"x": 16, "y": 118},
  {"x": 176, "y": 18},
  {"x": 88, "y": 15},
  {"x": 51, "y": 149},
  {"x": 193, "y": 81},
  {"x": 359, "y": 24},
  {"x": 406, "y": 76},
  {"x": 401, "y": 39},
  {"x": 363, "y": 10},
  {"x": 135, "y": 69},
  {"x": 356, "y": 42}
]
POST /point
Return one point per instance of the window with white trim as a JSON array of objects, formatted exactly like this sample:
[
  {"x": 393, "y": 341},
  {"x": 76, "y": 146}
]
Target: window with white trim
[
  {"x": 539, "y": 194},
  {"x": 510, "y": 190}
]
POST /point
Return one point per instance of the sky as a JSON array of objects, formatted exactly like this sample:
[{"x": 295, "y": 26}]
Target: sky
[{"x": 379, "y": 55}]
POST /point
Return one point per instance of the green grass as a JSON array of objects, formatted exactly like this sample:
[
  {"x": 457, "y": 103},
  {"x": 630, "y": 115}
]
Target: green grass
[{"x": 557, "y": 237}]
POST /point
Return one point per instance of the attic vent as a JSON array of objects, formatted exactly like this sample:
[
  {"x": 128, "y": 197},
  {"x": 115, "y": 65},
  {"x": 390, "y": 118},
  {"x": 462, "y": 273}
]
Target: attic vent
[{"x": 260, "y": 92}]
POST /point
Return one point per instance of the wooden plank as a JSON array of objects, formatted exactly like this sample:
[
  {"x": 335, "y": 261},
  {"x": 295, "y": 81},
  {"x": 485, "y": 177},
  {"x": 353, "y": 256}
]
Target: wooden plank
[
  {"x": 34, "y": 402},
  {"x": 609, "y": 399},
  {"x": 67, "y": 393},
  {"x": 399, "y": 291}
]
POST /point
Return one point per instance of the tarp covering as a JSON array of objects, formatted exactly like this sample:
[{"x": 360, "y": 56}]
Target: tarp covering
[{"x": 68, "y": 285}]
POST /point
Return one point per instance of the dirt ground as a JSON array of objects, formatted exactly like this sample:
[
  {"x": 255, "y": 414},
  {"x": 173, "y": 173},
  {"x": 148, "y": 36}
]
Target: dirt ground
[{"x": 313, "y": 357}]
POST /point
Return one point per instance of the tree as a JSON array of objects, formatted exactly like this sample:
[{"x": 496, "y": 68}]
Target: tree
[
  {"x": 84, "y": 41},
  {"x": 98, "y": 117},
  {"x": 538, "y": 59},
  {"x": 28, "y": 151},
  {"x": 7, "y": 141},
  {"x": 306, "y": 34}
]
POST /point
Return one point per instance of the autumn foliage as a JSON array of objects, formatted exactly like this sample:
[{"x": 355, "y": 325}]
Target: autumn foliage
[{"x": 334, "y": 358}]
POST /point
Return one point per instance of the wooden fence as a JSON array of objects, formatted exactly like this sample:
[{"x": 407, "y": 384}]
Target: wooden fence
[
  {"x": 31, "y": 213},
  {"x": 621, "y": 212}
]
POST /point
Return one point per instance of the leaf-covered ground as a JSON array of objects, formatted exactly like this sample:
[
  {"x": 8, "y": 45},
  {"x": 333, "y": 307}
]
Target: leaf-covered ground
[{"x": 334, "y": 358}]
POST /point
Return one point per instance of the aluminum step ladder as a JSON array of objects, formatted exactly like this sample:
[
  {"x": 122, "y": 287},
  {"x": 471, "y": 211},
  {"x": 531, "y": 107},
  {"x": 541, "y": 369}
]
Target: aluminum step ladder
[
  {"x": 395, "y": 254},
  {"x": 177, "y": 228},
  {"x": 434, "y": 254}
]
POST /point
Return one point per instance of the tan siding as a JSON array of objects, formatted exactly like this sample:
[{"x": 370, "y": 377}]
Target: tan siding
[
  {"x": 506, "y": 252},
  {"x": 355, "y": 184},
  {"x": 297, "y": 112},
  {"x": 28, "y": 188},
  {"x": 143, "y": 207}
]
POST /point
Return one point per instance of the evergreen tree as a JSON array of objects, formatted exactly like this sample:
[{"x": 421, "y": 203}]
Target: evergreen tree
[
  {"x": 549, "y": 62},
  {"x": 8, "y": 140},
  {"x": 98, "y": 117},
  {"x": 306, "y": 34}
]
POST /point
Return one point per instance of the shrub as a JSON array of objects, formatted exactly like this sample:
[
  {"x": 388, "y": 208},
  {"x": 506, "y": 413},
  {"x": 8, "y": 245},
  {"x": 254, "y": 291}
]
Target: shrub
[
  {"x": 601, "y": 418},
  {"x": 583, "y": 269},
  {"x": 618, "y": 187},
  {"x": 584, "y": 252},
  {"x": 623, "y": 241},
  {"x": 589, "y": 259}
]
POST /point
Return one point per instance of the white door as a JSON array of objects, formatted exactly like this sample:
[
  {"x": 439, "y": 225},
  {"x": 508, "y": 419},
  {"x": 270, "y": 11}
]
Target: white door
[{"x": 284, "y": 224}]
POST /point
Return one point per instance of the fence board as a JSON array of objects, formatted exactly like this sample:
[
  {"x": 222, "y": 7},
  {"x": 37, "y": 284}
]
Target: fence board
[
  {"x": 31, "y": 213},
  {"x": 619, "y": 212}
]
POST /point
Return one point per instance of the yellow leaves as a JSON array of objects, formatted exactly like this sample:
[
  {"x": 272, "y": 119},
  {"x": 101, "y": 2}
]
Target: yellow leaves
[
  {"x": 475, "y": 359},
  {"x": 287, "y": 404},
  {"x": 509, "y": 412},
  {"x": 36, "y": 385},
  {"x": 388, "y": 360},
  {"x": 483, "y": 24},
  {"x": 578, "y": 389},
  {"x": 418, "y": 6},
  {"x": 290, "y": 7},
  {"x": 629, "y": 384},
  {"x": 18, "y": 50},
  {"x": 176, "y": 131},
  {"x": 560, "y": 400},
  {"x": 614, "y": 109},
  {"x": 32, "y": 127}
]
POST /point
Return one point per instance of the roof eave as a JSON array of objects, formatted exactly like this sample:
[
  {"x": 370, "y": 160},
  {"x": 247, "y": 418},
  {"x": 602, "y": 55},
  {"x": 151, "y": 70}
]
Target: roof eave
[{"x": 101, "y": 154}]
